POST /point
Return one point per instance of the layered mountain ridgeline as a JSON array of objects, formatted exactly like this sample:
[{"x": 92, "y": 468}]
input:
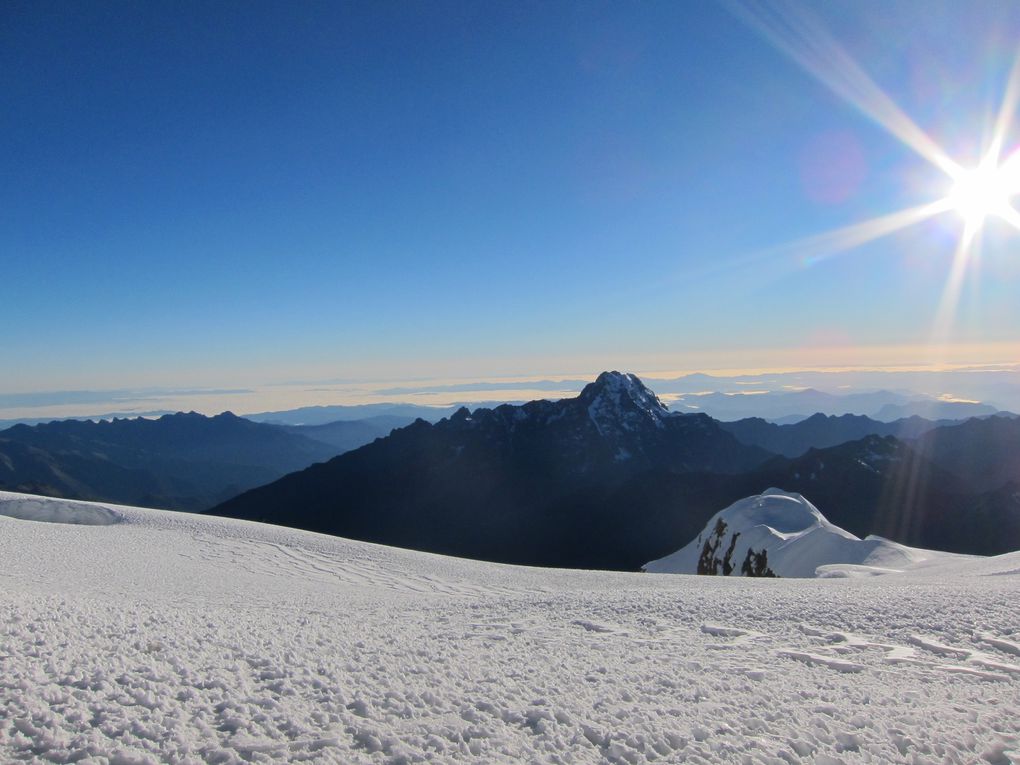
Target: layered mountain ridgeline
[
  {"x": 591, "y": 481},
  {"x": 611, "y": 479},
  {"x": 786, "y": 407},
  {"x": 180, "y": 461},
  {"x": 326, "y": 415},
  {"x": 820, "y": 431},
  {"x": 344, "y": 435},
  {"x": 989, "y": 442},
  {"x": 985, "y": 452}
]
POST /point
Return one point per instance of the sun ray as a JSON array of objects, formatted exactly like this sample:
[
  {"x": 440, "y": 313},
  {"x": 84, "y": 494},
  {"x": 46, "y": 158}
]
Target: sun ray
[
  {"x": 821, "y": 246},
  {"x": 801, "y": 37},
  {"x": 1012, "y": 217},
  {"x": 945, "y": 316},
  {"x": 1004, "y": 119}
]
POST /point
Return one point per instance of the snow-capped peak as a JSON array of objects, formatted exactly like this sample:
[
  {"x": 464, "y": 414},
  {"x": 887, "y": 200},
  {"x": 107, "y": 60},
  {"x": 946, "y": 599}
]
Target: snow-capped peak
[
  {"x": 620, "y": 399},
  {"x": 778, "y": 533}
]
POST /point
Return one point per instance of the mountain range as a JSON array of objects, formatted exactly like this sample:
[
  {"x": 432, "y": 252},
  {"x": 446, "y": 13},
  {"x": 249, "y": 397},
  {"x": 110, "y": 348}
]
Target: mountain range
[
  {"x": 824, "y": 430},
  {"x": 180, "y": 461},
  {"x": 609, "y": 479},
  {"x": 791, "y": 406},
  {"x": 325, "y": 415},
  {"x": 613, "y": 479}
]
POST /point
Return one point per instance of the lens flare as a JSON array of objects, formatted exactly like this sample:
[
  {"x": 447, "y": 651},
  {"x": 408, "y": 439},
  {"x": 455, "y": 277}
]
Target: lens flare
[
  {"x": 975, "y": 194},
  {"x": 984, "y": 191}
]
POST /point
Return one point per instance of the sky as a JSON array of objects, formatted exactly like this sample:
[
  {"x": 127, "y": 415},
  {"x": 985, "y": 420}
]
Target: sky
[{"x": 241, "y": 194}]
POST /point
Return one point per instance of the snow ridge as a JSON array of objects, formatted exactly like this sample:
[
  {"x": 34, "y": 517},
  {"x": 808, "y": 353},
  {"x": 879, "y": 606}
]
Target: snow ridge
[{"x": 798, "y": 540}]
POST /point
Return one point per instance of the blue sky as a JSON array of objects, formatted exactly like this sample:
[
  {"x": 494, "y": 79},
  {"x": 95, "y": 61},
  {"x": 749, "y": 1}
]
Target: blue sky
[{"x": 237, "y": 193}]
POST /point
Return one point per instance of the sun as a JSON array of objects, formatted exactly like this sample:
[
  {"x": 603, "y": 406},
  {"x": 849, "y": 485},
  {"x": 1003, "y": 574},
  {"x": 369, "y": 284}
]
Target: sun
[{"x": 984, "y": 191}]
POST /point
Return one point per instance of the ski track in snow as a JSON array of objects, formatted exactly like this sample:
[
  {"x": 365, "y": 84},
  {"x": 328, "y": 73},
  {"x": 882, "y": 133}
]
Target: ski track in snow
[{"x": 177, "y": 638}]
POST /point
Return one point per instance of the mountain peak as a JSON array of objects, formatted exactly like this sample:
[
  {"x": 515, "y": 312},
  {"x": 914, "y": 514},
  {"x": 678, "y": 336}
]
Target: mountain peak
[
  {"x": 608, "y": 382},
  {"x": 622, "y": 399}
]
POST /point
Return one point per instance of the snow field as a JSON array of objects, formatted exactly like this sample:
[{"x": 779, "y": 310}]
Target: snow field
[{"x": 177, "y": 638}]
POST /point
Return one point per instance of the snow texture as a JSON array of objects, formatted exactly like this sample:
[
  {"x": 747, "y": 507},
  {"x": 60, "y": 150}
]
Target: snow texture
[
  {"x": 800, "y": 542},
  {"x": 169, "y": 637}
]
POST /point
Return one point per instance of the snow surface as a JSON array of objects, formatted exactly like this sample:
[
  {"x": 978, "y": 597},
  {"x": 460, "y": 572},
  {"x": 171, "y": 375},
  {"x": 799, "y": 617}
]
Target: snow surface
[
  {"x": 800, "y": 542},
  {"x": 169, "y": 637}
]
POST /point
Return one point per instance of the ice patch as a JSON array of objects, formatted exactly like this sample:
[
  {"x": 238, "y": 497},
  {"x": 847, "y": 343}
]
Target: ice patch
[{"x": 27, "y": 508}]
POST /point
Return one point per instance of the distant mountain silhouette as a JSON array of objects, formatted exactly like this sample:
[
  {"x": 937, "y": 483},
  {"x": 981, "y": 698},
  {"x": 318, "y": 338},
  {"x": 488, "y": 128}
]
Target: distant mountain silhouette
[
  {"x": 821, "y": 431},
  {"x": 326, "y": 415},
  {"x": 611, "y": 479},
  {"x": 935, "y": 410},
  {"x": 983, "y": 452},
  {"x": 345, "y": 435},
  {"x": 179, "y": 461},
  {"x": 786, "y": 406}
]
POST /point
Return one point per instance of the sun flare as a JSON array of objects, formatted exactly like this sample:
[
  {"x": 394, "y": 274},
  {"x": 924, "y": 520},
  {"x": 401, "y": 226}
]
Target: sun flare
[{"x": 984, "y": 191}]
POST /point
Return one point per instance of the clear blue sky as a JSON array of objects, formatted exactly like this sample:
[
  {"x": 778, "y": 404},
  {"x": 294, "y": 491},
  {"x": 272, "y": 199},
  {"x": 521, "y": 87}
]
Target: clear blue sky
[{"x": 228, "y": 193}]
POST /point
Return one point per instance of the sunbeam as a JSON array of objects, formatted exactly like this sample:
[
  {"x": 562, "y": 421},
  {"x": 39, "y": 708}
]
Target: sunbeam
[
  {"x": 821, "y": 246},
  {"x": 946, "y": 315},
  {"x": 800, "y": 36},
  {"x": 1007, "y": 109}
]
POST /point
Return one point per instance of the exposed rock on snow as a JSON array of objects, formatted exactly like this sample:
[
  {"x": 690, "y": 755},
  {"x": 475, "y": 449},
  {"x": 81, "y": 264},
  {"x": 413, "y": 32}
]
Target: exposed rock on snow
[
  {"x": 798, "y": 541},
  {"x": 179, "y": 638}
]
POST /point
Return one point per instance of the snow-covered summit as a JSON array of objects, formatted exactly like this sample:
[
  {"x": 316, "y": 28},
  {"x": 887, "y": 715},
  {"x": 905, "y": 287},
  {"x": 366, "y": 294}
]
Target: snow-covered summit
[
  {"x": 781, "y": 533},
  {"x": 621, "y": 400}
]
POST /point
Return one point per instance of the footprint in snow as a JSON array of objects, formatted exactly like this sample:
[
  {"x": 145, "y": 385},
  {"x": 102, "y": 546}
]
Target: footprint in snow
[
  {"x": 814, "y": 659},
  {"x": 596, "y": 627}
]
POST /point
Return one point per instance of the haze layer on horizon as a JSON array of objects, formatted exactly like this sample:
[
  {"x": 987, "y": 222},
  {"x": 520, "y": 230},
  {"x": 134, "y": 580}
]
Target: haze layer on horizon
[{"x": 997, "y": 383}]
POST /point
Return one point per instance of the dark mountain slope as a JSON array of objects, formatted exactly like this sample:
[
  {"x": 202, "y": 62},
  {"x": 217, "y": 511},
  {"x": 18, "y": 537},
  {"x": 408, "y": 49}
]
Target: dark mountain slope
[
  {"x": 72, "y": 475},
  {"x": 880, "y": 485},
  {"x": 345, "y": 435},
  {"x": 985, "y": 453},
  {"x": 181, "y": 461},
  {"x": 821, "y": 431}
]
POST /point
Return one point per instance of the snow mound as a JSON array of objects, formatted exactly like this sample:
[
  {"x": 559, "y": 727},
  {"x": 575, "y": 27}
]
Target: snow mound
[
  {"x": 29, "y": 508},
  {"x": 797, "y": 539}
]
